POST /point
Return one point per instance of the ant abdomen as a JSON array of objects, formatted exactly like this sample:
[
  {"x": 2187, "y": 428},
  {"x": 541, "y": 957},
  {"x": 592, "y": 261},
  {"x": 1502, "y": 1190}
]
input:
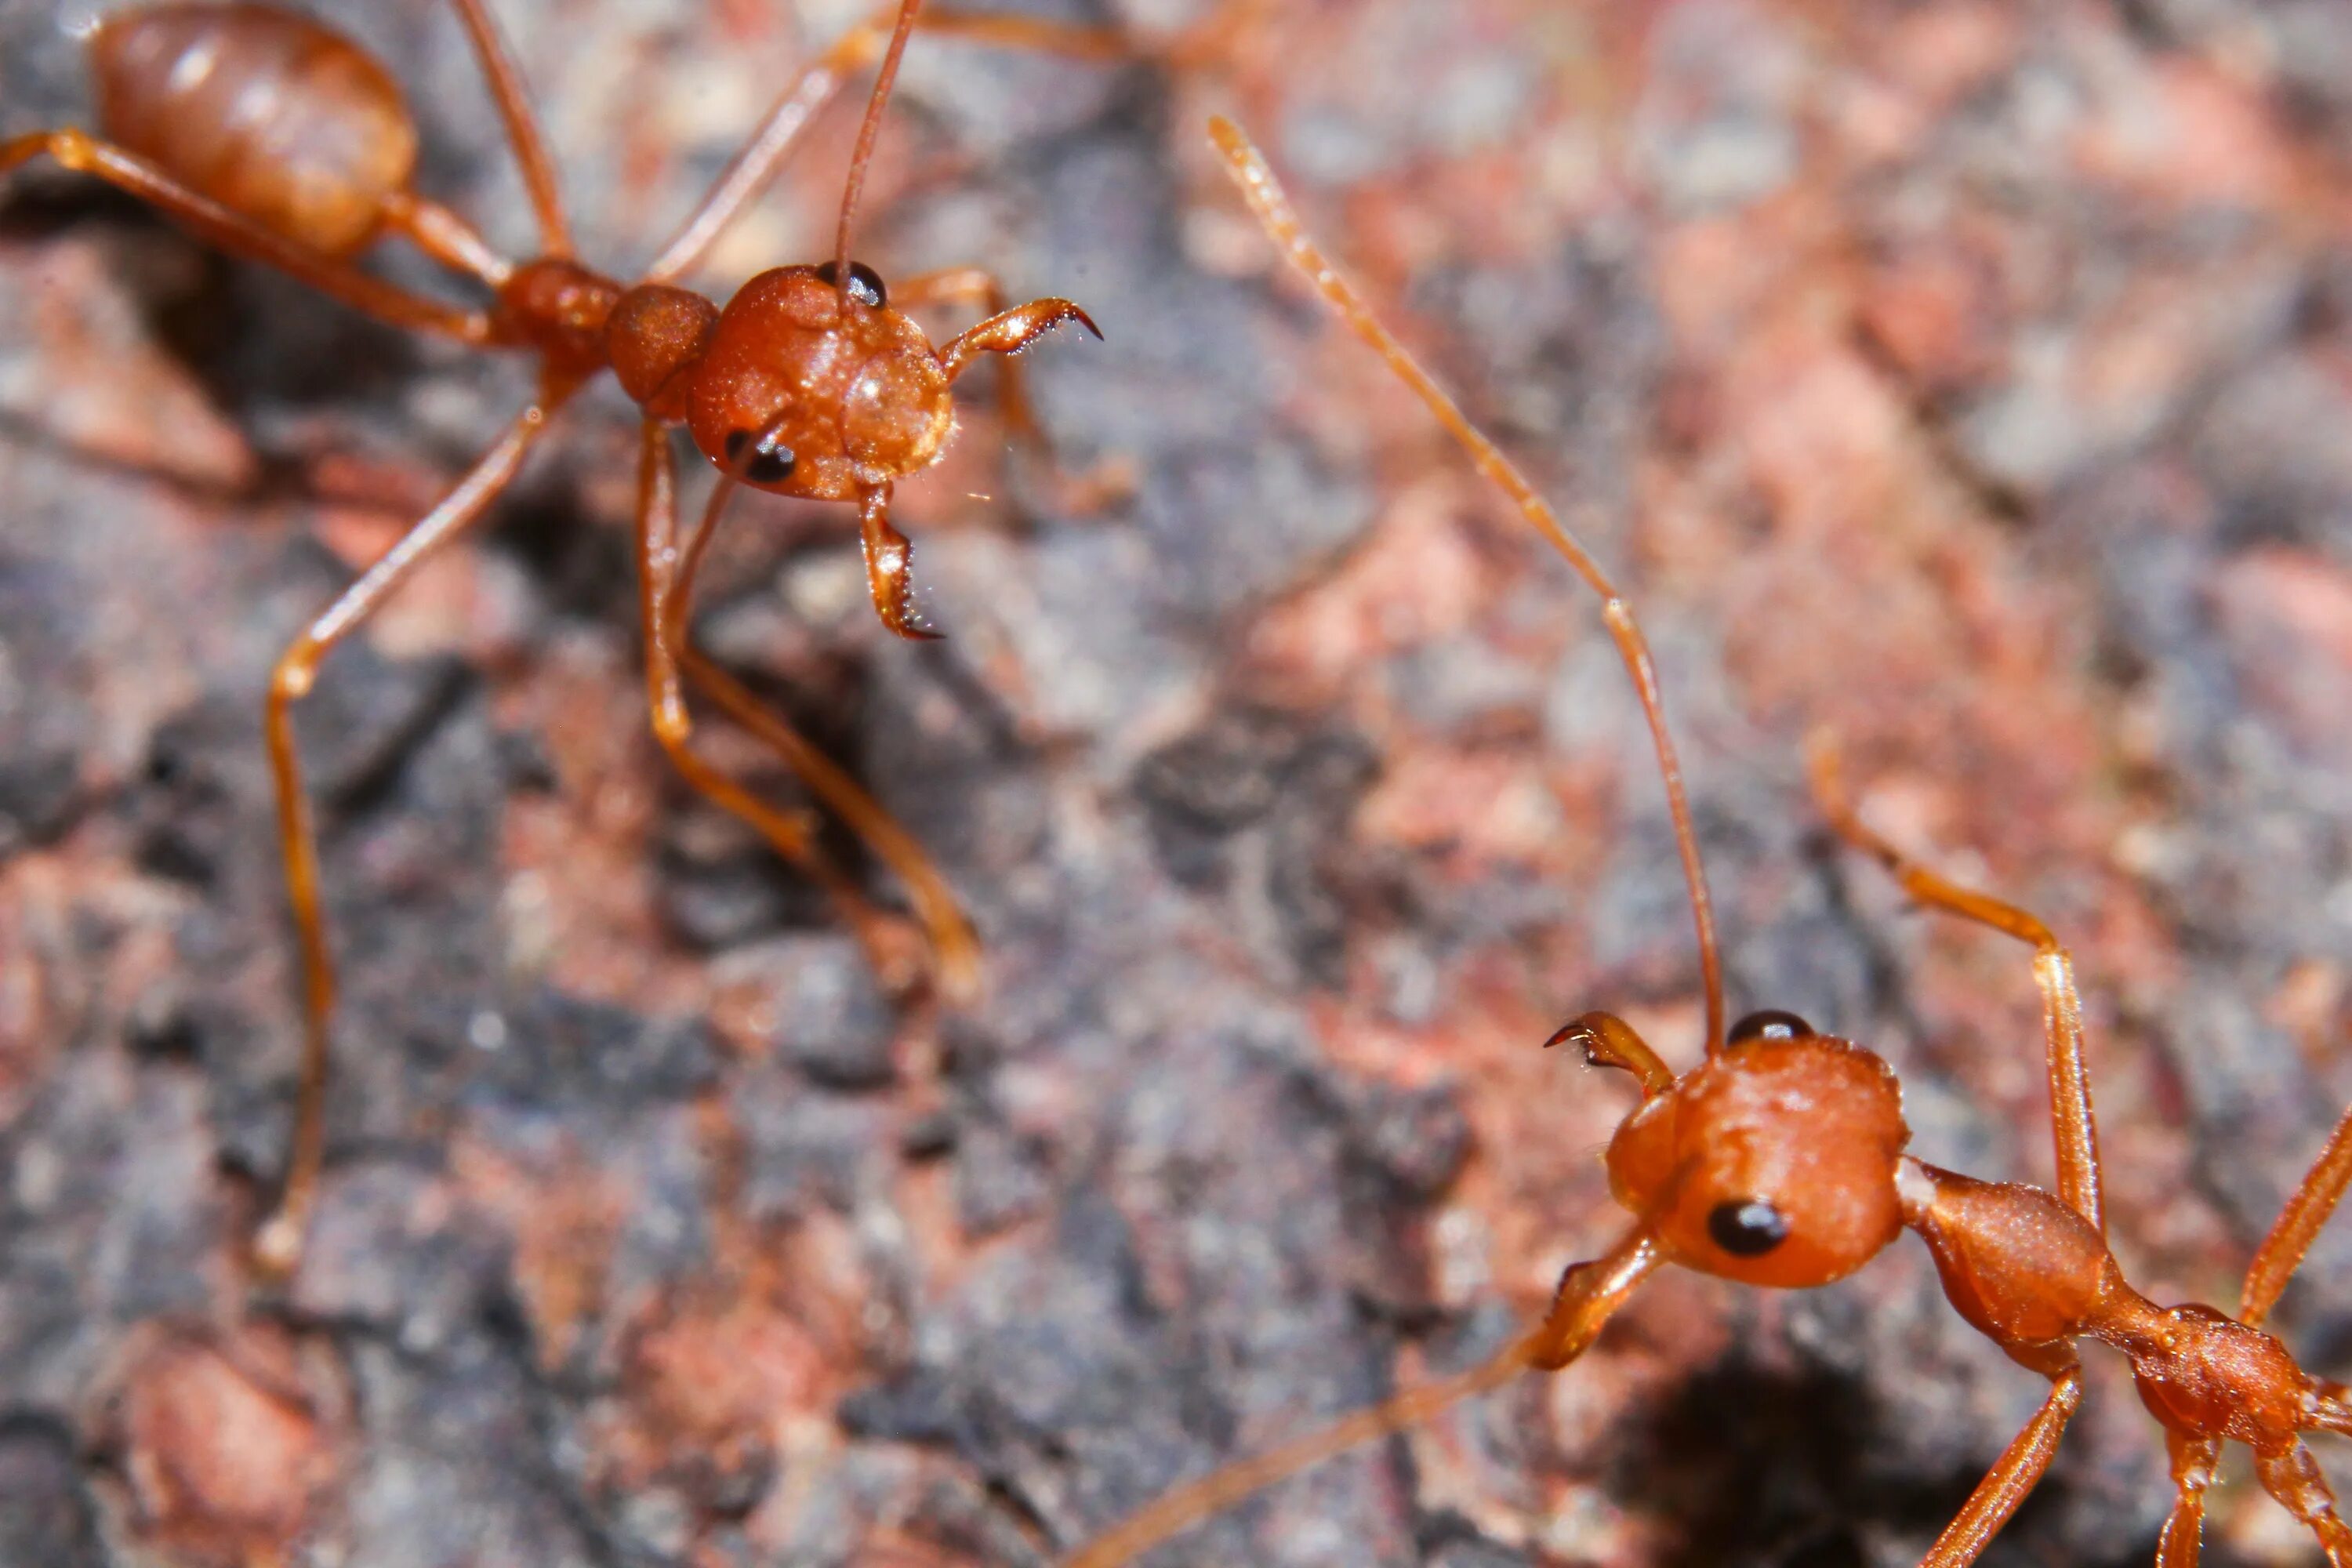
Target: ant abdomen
[
  {"x": 269, "y": 113},
  {"x": 807, "y": 390}
]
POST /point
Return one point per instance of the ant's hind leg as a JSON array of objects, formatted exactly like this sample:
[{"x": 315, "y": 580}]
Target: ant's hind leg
[
  {"x": 2193, "y": 1460},
  {"x": 277, "y": 1247},
  {"x": 2292, "y": 1477},
  {"x": 240, "y": 236},
  {"x": 2073, "y": 1127}
]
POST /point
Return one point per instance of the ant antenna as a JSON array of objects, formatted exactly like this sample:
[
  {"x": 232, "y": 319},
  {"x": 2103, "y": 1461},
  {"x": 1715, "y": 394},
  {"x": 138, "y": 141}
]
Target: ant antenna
[
  {"x": 1248, "y": 168},
  {"x": 867, "y": 133}
]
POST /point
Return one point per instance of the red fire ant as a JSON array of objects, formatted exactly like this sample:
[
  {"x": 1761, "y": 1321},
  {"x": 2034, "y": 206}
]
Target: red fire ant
[
  {"x": 279, "y": 140},
  {"x": 1779, "y": 1161}
]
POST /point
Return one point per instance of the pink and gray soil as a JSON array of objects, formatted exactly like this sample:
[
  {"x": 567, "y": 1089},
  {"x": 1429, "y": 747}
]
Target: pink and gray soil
[{"x": 1974, "y": 379}]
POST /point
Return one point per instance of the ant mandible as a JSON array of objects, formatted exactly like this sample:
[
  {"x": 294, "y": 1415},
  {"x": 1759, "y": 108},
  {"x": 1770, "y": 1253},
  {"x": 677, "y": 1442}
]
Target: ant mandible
[
  {"x": 1779, "y": 1161},
  {"x": 279, "y": 139}
]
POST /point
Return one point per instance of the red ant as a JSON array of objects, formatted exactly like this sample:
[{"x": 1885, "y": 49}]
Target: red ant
[
  {"x": 279, "y": 140},
  {"x": 1779, "y": 1161}
]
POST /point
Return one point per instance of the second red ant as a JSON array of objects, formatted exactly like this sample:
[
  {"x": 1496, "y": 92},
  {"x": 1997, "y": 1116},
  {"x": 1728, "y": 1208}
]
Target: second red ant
[
  {"x": 1779, "y": 1161},
  {"x": 279, "y": 140}
]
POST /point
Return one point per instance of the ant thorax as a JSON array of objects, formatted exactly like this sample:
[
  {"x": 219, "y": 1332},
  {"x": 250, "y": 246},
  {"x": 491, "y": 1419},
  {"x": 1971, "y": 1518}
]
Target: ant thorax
[
  {"x": 807, "y": 388},
  {"x": 1772, "y": 1163}
]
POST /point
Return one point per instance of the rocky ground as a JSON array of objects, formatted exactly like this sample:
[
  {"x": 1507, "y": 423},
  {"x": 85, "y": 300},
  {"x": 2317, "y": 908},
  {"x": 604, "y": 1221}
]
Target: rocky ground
[{"x": 1974, "y": 378}]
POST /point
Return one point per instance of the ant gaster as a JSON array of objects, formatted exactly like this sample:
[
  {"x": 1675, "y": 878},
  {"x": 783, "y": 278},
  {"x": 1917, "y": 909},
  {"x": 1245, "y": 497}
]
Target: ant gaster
[
  {"x": 279, "y": 140},
  {"x": 1779, "y": 1161}
]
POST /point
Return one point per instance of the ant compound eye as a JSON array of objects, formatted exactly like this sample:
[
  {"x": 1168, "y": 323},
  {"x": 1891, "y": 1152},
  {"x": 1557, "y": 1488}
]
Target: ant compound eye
[
  {"x": 1769, "y": 1024},
  {"x": 770, "y": 462},
  {"x": 865, "y": 283},
  {"x": 1747, "y": 1227}
]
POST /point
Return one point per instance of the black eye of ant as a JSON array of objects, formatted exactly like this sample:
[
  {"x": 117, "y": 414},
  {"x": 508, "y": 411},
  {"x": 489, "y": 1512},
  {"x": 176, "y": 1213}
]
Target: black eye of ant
[
  {"x": 1747, "y": 1227},
  {"x": 865, "y": 283},
  {"x": 1769, "y": 1024},
  {"x": 771, "y": 462}
]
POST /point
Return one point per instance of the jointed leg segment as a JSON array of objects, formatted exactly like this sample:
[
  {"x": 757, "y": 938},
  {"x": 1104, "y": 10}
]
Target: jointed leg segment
[
  {"x": 2012, "y": 1477},
  {"x": 2072, "y": 1126},
  {"x": 2298, "y": 1225},
  {"x": 672, "y": 664},
  {"x": 2193, "y": 1460},
  {"x": 2292, "y": 1477},
  {"x": 756, "y": 164},
  {"x": 277, "y": 1247},
  {"x": 240, "y": 236},
  {"x": 521, "y": 125}
]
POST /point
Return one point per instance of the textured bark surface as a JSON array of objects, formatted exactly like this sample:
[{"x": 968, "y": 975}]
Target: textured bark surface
[{"x": 1973, "y": 378}]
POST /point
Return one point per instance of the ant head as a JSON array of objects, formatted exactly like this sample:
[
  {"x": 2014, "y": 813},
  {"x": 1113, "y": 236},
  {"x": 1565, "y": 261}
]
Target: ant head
[
  {"x": 807, "y": 388},
  {"x": 1772, "y": 1163}
]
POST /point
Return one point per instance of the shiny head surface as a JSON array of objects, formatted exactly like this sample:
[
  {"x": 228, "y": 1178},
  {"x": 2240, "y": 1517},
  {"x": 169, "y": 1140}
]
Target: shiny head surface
[
  {"x": 1773, "y": 1163},
  {"x": 804, "y": 388}
]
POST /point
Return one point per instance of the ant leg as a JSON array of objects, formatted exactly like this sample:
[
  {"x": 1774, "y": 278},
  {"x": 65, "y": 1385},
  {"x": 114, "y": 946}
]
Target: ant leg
[
  {"x": 2012, "y": 1476},
  {"x": 2193, "y": 1460},
  {"x": 2292, "y": 1477},
  {"x": 749, "y": 172},
  {"x": 522, "y": 126},
  {"x": 1249, "y": 170},
  {"x": 240, "y": 236},
  {"x": 277, "y": 1247},
  {"x": 955, "y": 949},
  {"x": 2298, "y": 1225},
  {"x": 1589, "y": 1294},
  {"x": 789, "y": 834},
  {"x": 2074, "y": 1129}
]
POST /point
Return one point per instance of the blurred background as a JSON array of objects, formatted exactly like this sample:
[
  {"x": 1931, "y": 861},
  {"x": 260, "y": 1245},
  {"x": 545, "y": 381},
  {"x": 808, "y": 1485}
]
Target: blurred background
[{"x": 1972, "y": 377}]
